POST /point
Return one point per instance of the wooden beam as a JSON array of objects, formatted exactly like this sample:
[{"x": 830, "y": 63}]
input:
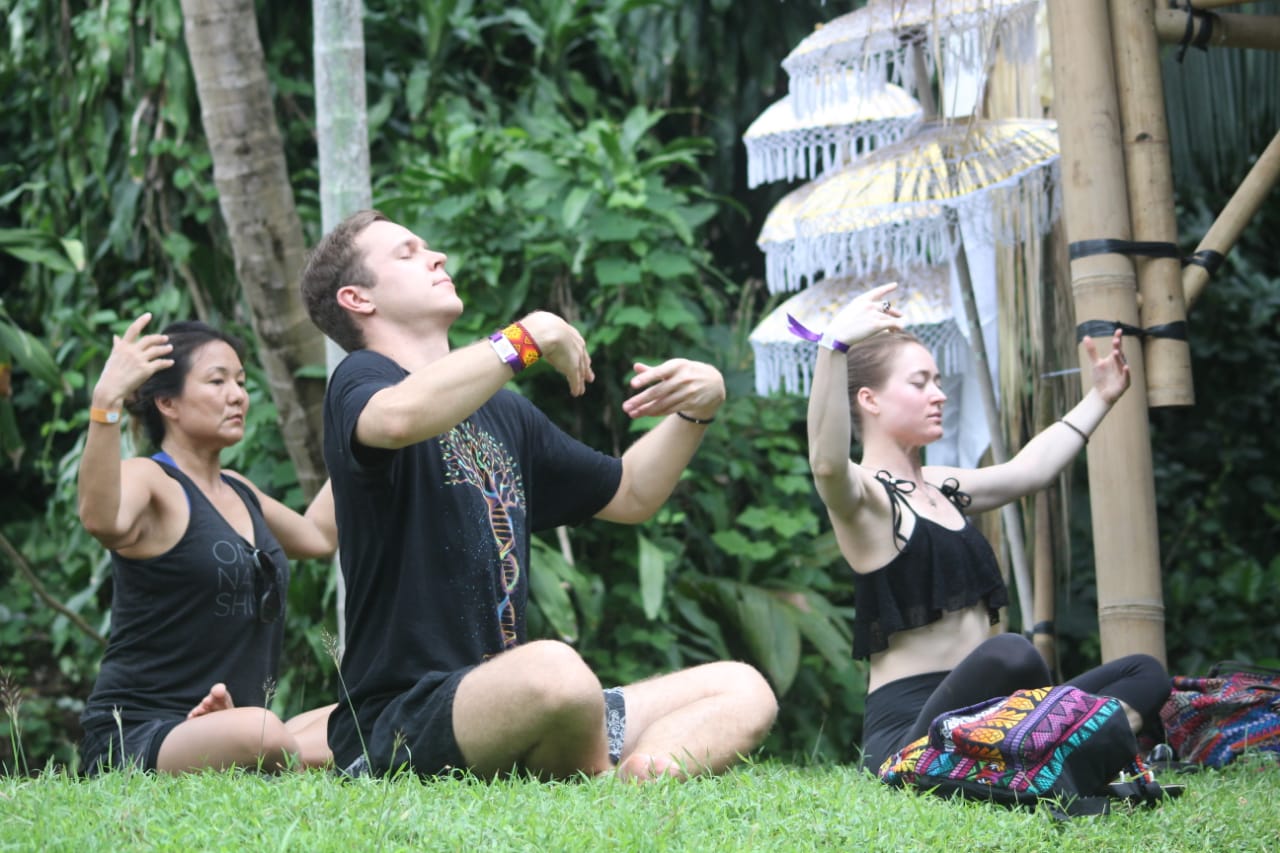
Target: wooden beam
[
  {"x": 1224, "y": 232},
  {"x": 1261, "y": 32},
  {"x": 1149, "y": 174}
]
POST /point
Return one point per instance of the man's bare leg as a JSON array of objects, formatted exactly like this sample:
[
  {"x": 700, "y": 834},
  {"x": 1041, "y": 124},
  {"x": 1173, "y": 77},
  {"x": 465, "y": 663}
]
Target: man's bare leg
[
  {"x": 537, "y": 707},
  {"x": 698, "y": 720}
]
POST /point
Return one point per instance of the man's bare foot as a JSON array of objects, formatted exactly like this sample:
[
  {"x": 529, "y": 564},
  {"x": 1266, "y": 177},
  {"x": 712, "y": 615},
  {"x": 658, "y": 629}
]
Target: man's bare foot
[
  {"x": 638, "y": 767},
  {"x": 217, "y": 699}
]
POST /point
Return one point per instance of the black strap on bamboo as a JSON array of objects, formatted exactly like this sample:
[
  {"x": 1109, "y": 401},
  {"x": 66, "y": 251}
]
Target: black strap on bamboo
[
  {"x": 1109, "y": 246},
  {"x": 1201, "y": 40},
  {"x": 1045, "y": 627},
  {"x": 1207, "y": 258},
  {"x": 1106, "y": 328}
]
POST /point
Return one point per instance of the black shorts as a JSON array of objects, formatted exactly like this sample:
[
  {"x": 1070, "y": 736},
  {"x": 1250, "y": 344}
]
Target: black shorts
[
  {"x": 890, "y": 713},
  {"x": 108, "y": 746},
  {"x": 415, "y": 730}
]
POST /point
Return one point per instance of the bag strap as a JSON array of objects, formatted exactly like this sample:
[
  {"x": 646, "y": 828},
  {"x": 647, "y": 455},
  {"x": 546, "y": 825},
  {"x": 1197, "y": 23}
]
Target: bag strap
[{"x": 1229, "y": 666}]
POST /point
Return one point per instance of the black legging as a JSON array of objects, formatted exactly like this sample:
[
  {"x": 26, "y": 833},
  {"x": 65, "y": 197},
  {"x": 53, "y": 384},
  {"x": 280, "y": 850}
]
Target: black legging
[{"x": 1002, "y": 664}]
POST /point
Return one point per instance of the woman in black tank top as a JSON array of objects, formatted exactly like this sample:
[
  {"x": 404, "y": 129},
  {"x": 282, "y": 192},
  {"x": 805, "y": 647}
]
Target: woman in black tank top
[
  {"x": 903, "y": 528},
  {"x": 199, "y": 564}
]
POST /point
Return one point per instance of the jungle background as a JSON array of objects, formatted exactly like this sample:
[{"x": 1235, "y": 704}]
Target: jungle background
[{"x": 582, "y": 156}]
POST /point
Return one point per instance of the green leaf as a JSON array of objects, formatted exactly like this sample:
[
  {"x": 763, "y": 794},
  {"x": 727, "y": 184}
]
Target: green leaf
[
  {"x": 615, "y": 271},
  {"x": 630, "y": 315},
  {"x": 549, "y": 578},
  {"x": 574, "y": 204},
  {"x": 735, "y": 544},
  {"x": 30, "y": 353},
  {"x": 36, "y": 247},
  {"x": 669, "y": 265},
  {"x": 653, "y": 575},
  {"x": 671, "y": 312},
  {"x": 612, "y": 226},
  {"x": 822, "y": 630},
  {"x": 769, "y": 631},
  {"x": 10, "y": 439}
]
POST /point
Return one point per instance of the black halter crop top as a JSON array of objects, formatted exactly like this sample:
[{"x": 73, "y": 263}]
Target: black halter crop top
[{"x": 937, "y": 570}]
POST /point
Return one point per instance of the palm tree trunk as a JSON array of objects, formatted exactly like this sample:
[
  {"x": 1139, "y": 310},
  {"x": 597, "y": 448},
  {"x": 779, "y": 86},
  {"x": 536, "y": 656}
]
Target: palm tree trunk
[{"x": 257, "y": 205}]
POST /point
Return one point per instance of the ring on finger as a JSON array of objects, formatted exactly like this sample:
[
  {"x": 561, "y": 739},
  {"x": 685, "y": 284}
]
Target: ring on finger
[{"x": 884, "y": 306}]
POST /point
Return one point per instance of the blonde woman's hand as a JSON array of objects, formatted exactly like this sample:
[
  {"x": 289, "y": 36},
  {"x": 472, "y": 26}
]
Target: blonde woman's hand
[
  {"x": 867, "y": 315},
  {"x": 1110, "y": 370}
]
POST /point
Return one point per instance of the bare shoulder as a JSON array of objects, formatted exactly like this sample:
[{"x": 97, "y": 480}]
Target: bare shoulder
[
  {"x": 865, "y": 536},
  {"x": 162, "y": 509}
]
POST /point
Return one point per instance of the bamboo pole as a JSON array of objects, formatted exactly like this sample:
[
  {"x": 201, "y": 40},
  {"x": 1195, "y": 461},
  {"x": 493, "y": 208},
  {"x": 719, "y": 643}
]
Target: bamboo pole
[
  {"x": 1042, "y": 632},
  {"x": 1260, "y": 32},
  {"x": 1009, "y": 513},
  {"x": 1224, "y": 232},
  {"x": 1214, "y": 4},
  {"x": 1121, "y": 484},
  {"x": 1149, "y": 176}
]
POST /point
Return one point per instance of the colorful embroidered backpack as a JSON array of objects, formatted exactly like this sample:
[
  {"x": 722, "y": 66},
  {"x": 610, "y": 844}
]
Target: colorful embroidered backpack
[
  {"x": 1214, "y": 720},
  {"x": 1058, "y": 745}
]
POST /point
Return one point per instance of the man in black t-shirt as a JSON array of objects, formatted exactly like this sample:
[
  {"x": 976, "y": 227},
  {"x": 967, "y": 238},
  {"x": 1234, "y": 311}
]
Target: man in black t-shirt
[{"x": 439, "y": 478}]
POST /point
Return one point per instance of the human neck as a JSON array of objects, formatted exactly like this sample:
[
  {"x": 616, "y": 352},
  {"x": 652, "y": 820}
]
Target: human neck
[
  {"x": 903, "y": 463},
  {"x": 201, "y": 465},
  {"x": 409, "y": 348}
]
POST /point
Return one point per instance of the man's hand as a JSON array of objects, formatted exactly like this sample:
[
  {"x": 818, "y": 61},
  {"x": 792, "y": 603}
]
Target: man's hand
[
  {"x": 676, "y": 385},
  {"x": 563, "y": 347}
]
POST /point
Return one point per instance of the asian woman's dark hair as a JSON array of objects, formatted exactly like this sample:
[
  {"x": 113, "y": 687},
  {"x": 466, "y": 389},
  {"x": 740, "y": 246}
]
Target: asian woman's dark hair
[{"x": 185, "y": 337}]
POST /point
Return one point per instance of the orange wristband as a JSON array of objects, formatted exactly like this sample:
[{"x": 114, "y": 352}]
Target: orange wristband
[{"x": 104, "y": 416}]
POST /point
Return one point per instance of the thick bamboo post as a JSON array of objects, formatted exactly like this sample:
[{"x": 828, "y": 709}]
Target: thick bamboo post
[
  {"x": 1149, "y": 175},
  {"x": 1130, "y": 607},
  {"x": 1226, "y": 229},
  {"x": 1260, "y": 32}
]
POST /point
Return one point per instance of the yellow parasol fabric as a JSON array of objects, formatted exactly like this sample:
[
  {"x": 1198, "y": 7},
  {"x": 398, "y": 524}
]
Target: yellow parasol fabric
[
  {"x": 787, "y": 268},
  {"x": 784, "y": 362},
  {"x": 784, "y": 146},
  {"x": 859, "y": 51},
  {"x": 997, "y": 176}
]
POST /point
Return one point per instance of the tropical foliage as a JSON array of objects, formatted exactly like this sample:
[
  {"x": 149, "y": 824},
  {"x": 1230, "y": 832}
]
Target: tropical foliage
[{"x": 576, "y": 155}]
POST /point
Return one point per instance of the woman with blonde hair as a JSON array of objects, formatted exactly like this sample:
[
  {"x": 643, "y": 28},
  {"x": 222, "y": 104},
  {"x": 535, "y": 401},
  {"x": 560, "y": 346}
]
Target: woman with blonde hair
[{"x": 927, "y": 585}]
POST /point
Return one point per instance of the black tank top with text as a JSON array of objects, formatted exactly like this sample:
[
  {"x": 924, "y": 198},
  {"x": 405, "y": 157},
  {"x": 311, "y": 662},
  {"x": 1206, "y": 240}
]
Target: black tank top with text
[{"x": 189, "y": 618}]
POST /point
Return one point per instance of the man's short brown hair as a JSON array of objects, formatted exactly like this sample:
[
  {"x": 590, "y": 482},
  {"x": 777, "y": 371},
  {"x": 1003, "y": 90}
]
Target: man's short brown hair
[{"x": 334, "y": 263}]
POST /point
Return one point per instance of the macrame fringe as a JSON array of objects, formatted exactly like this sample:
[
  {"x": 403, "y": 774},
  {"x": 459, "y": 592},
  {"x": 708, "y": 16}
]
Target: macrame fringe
[
  {"x": 913, "y": 235},
  {"x": 818, "y": 80},
  {"x": 807, "y": 155},
  {"x": 787, "y": 367}
]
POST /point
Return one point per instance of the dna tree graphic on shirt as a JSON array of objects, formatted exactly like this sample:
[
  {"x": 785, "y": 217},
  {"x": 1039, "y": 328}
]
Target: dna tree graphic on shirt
[{"x": 474, "y": 457}]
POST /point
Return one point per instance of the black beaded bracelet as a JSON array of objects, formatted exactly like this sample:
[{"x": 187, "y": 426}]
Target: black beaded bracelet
[
  {"x": 1069, "y": 425},
  {"x": 698, "y": 421}
]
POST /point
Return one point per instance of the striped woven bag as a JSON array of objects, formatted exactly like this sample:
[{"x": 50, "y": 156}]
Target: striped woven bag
[{"x": 1233, "y": 710}]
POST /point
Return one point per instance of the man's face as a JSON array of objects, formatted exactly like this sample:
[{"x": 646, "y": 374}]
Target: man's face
[{"x": 412, "y": 285}]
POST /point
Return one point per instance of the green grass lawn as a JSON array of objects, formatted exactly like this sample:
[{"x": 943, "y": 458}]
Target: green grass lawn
[{"x": 767, "y": 806}]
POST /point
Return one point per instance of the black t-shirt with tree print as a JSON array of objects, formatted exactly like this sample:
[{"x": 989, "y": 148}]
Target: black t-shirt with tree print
[{"x": 434, "y": 537}]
